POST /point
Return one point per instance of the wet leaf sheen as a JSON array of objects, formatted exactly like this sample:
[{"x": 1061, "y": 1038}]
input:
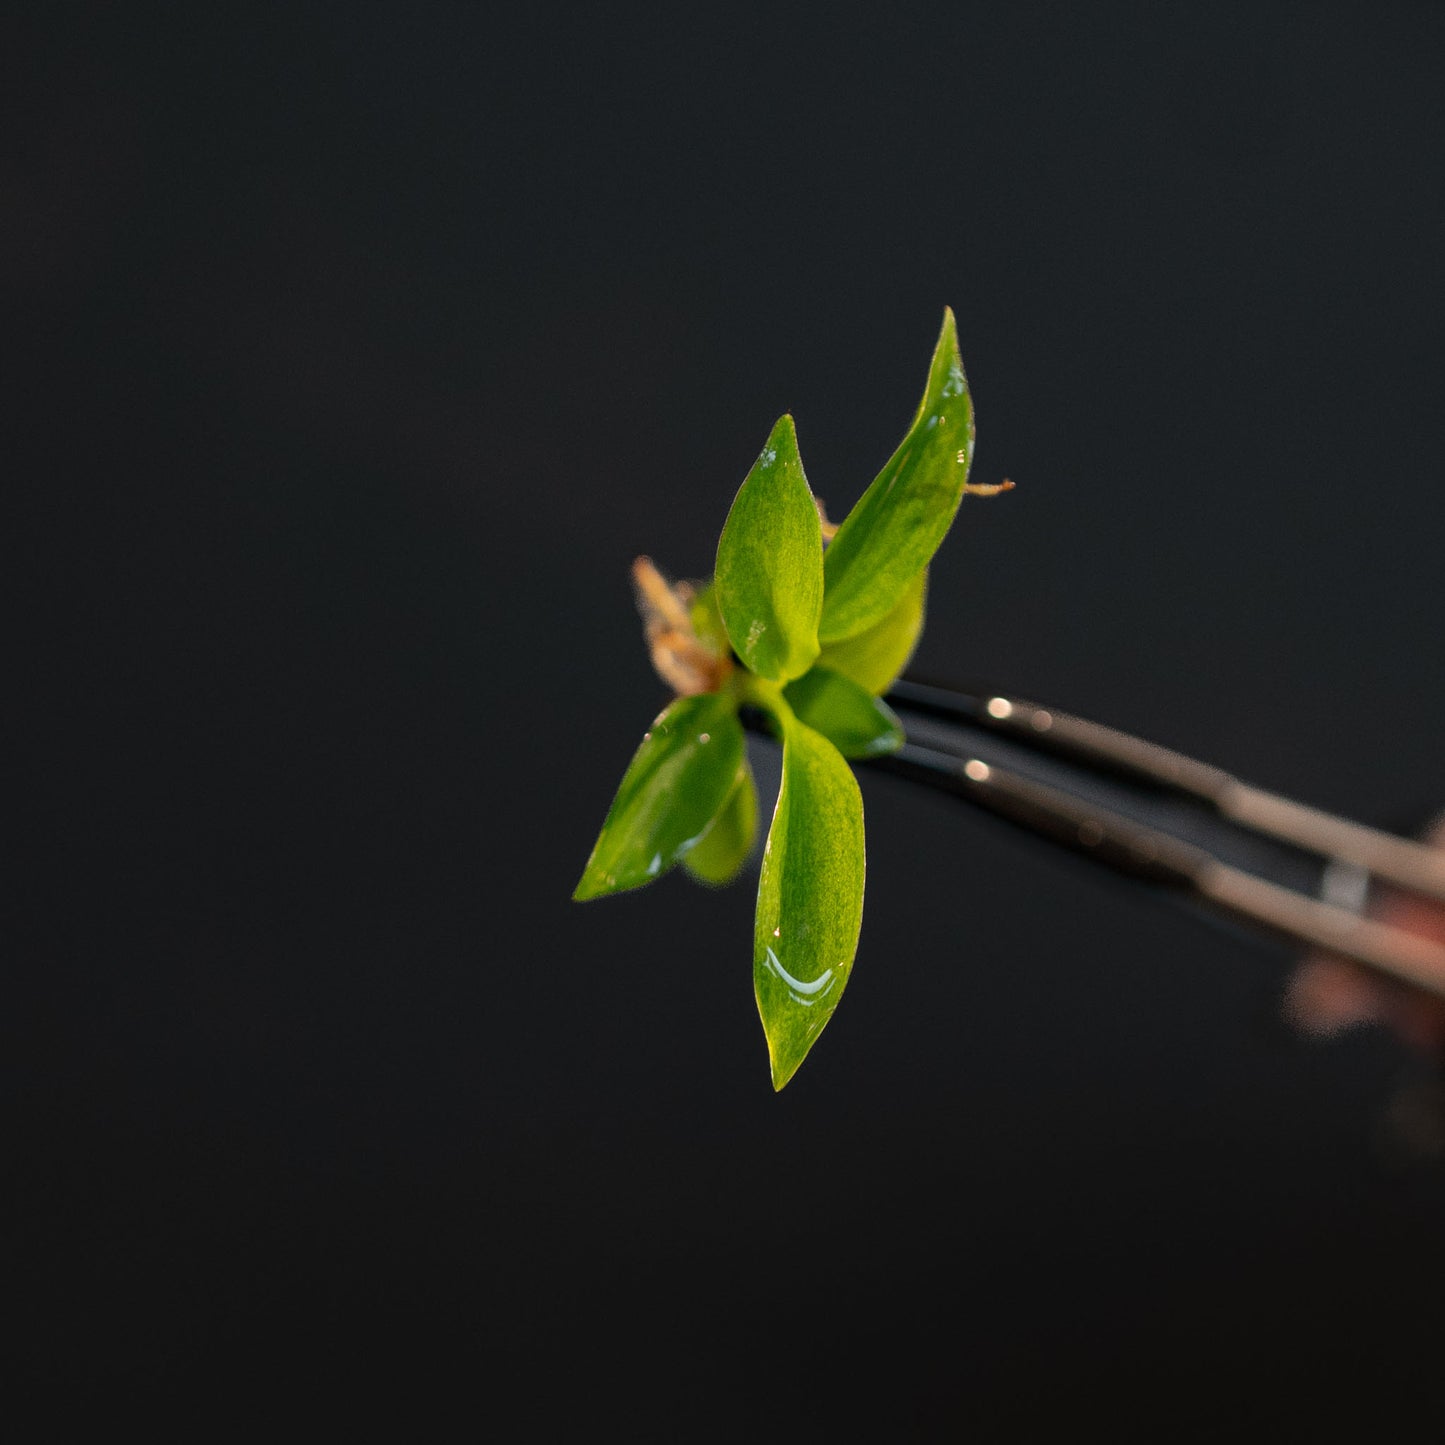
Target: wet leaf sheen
[
  {"x": 897, "y": 524},
  {"x": 769, "y": 582},
  {"x": 810, "y": 896},
  {"x": 677, "y": 783}
]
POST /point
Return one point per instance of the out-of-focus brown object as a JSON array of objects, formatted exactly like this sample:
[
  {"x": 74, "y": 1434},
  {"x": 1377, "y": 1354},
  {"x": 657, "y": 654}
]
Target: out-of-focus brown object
[
  {"x": 687, "y": 663},
  {"x": 1327, "y": 994}
]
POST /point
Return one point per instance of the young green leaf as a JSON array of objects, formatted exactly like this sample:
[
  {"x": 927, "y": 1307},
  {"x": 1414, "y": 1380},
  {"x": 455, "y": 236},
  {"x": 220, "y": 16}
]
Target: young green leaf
[
  {"x": 707, "y": 621},
  {"x": 898, "y": 523},
  {"x": 810, "y": 896},
  {"x": 724, "y": 848},
  {"x": 874, "y": 657},
  {"x": 849, "y": 716},
  {"x": 769, "y": 582},
  {"x": 676, "y": 784}
]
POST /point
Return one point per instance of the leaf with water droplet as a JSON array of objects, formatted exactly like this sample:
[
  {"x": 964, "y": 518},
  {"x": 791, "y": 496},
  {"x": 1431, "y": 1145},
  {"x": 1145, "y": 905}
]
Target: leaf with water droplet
[
  {"x": 810, "y": 895},
  {"x": 677, "y": 783},
  {"x": 874, "y": 657},
  {"x": 769, "y": 581},
  {"x": 858, "y": 724},
  {"x": 724, "y": 848},
  {"x": 898, "y": 523}
]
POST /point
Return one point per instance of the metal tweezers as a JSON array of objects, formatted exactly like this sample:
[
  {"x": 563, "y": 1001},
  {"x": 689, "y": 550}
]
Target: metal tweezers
[{"x": 1250, "y": 855}]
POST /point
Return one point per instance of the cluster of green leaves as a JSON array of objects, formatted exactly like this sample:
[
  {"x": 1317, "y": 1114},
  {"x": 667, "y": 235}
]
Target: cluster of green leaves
[{"x": 815, "y": 634}]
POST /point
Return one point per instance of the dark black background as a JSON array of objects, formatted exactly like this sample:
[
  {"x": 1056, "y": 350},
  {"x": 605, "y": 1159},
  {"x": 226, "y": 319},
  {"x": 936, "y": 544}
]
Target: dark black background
[{"x": 350, "y": 355}]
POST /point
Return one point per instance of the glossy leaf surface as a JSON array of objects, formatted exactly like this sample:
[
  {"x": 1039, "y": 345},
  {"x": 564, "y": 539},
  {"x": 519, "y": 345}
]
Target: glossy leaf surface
[
  {"x": 810, "y": 896},
  {"x": 676, "y": 784},
  {"x": 874, "y": 657},
  {"x": 724, "y": 848},
  {"x": 894, "y": 530},
  {"x": 858, "y": 724},
  {"x": 769, "y": 582}
]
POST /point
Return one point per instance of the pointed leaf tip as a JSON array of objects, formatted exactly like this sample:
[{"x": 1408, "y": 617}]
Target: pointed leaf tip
[
  {"x": 896, "y": 527},
  {"x": 810, "y": 897},
  {"x": 677, "y": 783},
  {"x": 769, "y": 579}
]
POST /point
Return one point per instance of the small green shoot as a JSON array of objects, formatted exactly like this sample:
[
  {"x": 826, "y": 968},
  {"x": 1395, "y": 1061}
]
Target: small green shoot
[{"x": 806, "y": 626}]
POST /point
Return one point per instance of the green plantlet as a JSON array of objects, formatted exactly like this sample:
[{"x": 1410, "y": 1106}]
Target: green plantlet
[{"x": 806, "y": 625}]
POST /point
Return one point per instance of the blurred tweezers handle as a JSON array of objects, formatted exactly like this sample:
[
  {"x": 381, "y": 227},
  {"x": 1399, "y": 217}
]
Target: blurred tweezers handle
[{"x": 1153, "y": 855}]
